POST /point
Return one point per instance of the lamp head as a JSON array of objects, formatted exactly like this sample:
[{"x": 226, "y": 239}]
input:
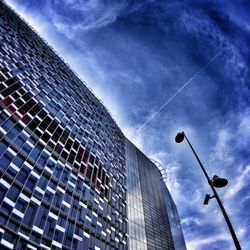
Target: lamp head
[
  {"x": 219, "y": 182},
  {"x": 207, "y": 198},
  {"x": 179, "y": 137}
]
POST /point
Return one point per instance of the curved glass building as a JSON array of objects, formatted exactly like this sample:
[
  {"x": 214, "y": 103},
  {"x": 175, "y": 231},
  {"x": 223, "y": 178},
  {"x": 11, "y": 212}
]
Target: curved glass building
[{"x": 69, "y": 179}]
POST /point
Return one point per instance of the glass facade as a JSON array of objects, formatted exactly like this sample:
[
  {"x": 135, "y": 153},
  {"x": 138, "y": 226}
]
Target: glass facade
[
  {"x": 69, "y": 179},
  {"x": 136, "y": 225},
  {"x": 153, "y": 220},
  {"x": 158, "y": 230},
  {"x": 177, "y": 234}
]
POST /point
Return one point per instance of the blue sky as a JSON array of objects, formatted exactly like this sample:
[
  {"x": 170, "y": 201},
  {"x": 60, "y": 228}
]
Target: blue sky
[{"x": 135, "y": 55}]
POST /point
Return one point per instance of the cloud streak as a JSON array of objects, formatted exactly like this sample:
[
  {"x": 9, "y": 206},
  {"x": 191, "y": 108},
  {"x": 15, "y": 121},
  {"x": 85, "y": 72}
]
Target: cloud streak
[{"x": 178, "y": 91}]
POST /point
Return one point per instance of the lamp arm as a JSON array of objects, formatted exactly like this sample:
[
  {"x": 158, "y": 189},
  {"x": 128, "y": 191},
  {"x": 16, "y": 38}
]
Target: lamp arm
[{"x": 201, "y": 165}]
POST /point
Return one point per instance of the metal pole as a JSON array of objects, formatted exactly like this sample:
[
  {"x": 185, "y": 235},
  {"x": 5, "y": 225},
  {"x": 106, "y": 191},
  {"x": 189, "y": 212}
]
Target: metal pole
[{"x": 230, "y": 227}]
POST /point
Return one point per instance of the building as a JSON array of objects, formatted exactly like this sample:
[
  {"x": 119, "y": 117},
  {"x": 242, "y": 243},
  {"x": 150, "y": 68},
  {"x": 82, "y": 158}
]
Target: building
[{"x": 69, "y": 179}]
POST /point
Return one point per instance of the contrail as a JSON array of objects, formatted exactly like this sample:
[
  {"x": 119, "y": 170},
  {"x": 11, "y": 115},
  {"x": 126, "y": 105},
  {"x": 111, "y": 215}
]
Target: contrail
[{"x": 178, "y": 91}]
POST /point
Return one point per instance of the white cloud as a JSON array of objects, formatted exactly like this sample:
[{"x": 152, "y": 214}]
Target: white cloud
[
  {"x": 232, "y": 138},
  {"x": 197, "y": 244},
  {"x": 241, "y": 231},
  {"x": 161, "y": 156},
  {"x": 243, "y": 130},
  {"x": 88, "y": 15},
  {"x": 240, "y": 182},
  {"x": 222, "y": 151},
  {"x": 245, "y": 199},
  {"x": 190, "y": 220}
]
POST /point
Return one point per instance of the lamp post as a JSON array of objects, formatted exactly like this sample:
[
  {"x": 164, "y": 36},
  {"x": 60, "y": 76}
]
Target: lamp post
[{"x": 214, "y": 182}]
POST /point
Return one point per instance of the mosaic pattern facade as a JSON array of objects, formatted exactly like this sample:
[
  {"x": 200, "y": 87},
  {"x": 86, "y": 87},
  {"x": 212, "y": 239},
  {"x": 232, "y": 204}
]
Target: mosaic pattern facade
[{"x": 64, "y": 162}]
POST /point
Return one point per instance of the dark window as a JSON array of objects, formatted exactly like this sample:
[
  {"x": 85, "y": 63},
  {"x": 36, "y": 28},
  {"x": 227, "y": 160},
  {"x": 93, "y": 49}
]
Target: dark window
[
  {"x": 6, "y": 159},
  {"x": 3, "y": 147},
  {"x": 100, "y": 171},
  {"x": 80, "y": 154},
  {"x": 64, "y": 137},
  {"x": 50, "y": 227},
  {"x": 51, "y": 144},
  {"x": 91, "y": 159},
  {"x": 34, "y": 110},
  {"x": 64, "y": 155},
  {"x": 23, "y": 174},
  {"x": 59, "y": 131},
  {"x": 26, "y": 119},
  {"x": 76, "y": 145},
  {"x": 6, "y": 208},
  {"x": 15, "y": 96},
  {"x": 58, "y": 199},
  {"x": 103, "y": 178},
  {"x": 21, "y": 205},
  {"x": 3, "y": 191},
  {"x": 61, "y": 221},
  {"x": 71, "y": 157},
  {"x": 94, "y": 174},
  {"x": 82, "y": 170},
  {"x": 11, "y": 171},
  {"x": 58, "y": 236},
  {"x": 44, "y": 125},
  {"x": 33, "y": 124},
  {"x": 41, "y": 216},
  {"x": 58, "y": 170},
  {"x": 89, "y": 172},
  {"x": 36, "y": 151},
  {"x": 27, "y": 148},
  {"x": 42, "y": 114},
  {"x": 86, "y": 156},
  {"x": 73, "y": 210},
  {"x": 51, "y": 164},
  {"x": 45, "y": 137},
  {"x": 30, "y": 214},
  {"x": 7, "y": 125},
  {"x": 19, "y": 103},
  {"x": 58, "y": 148},
  {"x": 65, "y": 175},
  {"x": 17, "y": 129},
  {"x": 20, "y": 140},
  {"x": 10, "y": 81},
  {"x": 13, "y": 193},
  {"x": 42, "y": 182},
  {"x": 52, "y": 127},
  {"x": 3, "y": 117},
  {"x": 10, "y": 237},
  {"x": 31, "y": 182},
  {"x": 69, "y": 234},
  {"x": 43, "y": 159},
  {"x": 48, "y": 196},
  {"x": 19, "y": 160},
  {"x": 69, "y": 144}
]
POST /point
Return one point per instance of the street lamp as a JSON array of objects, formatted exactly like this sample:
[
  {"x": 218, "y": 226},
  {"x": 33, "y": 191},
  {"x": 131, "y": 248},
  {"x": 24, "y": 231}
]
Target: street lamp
[{"x": 215, "y": 182}]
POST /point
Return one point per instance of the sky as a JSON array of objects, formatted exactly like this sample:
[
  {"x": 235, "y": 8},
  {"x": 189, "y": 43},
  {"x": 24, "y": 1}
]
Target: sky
[{"x": 192, "y": 59}]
